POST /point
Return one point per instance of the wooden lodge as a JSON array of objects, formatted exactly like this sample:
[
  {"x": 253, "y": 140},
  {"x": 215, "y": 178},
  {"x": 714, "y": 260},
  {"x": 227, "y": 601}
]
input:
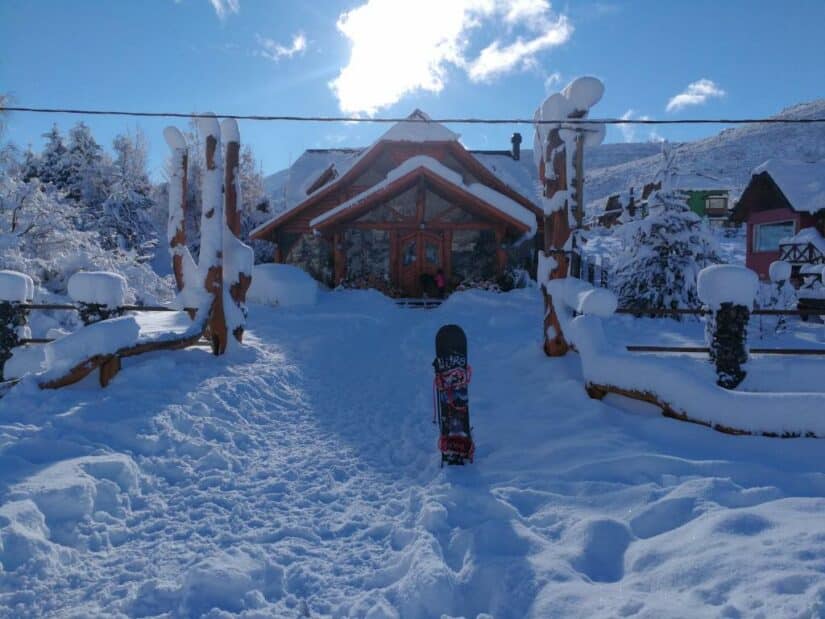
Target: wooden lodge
[
  {"x": 784, "y": 209},
  {"x": 415, "y": 202}
]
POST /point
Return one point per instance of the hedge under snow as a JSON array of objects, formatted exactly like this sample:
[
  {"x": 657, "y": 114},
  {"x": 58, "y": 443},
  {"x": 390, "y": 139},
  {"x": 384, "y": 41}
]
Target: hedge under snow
[
  {"x": 98, "y": 287},
  {"x": 16, "y": 287}
]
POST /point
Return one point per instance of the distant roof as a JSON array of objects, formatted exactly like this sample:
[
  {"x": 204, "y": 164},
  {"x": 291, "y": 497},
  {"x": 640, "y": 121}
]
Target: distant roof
[
  {"x": 802, "y": 183},
  {"x": 699, "y": 181}
]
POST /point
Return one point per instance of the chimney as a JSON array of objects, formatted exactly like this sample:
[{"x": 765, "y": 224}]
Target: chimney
[{"x": 516, "y": 142}]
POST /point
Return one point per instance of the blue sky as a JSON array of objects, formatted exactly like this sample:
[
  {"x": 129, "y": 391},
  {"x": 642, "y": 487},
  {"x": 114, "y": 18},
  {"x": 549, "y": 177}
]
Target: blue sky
[{"x": 492, "y": 58}]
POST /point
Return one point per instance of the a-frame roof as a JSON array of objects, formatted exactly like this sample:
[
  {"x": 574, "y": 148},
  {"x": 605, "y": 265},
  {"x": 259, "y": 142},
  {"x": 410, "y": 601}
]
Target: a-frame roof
[
  {"x": 476, "y": 197},
  {"x": 419, "y": 129}
]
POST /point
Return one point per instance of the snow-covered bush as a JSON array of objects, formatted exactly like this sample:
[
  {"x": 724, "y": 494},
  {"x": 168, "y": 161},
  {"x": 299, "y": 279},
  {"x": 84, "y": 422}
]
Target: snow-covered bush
[
  {"x": 729, "y": 291},
  {"x": 283, "y": 285}
]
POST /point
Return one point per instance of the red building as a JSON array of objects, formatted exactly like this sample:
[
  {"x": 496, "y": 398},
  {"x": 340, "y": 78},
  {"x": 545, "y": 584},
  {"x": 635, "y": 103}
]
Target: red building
[
  {"x": 782, "y": 198},
  {"x": 415, "y": 202}
]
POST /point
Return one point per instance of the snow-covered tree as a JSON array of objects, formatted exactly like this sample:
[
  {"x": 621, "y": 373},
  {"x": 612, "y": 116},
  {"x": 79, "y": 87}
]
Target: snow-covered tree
[
  {"x": 52, "y": 165},
  {"x": 256, "y": 207},
  {"x": 89, "y": 170},
  {"x": 663, "y": 251},
  {"x": 127, "y": 211}
]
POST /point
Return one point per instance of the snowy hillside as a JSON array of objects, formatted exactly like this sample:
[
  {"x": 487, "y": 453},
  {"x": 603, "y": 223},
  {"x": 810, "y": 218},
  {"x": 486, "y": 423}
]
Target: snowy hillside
[
  {"x": 731, "y": 154},
  {"x": 294, "y": 478},
  {"x": 611, "y": 168}
]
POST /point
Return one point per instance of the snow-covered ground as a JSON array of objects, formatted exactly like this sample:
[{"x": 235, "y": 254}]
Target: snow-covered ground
[{"x": 298, "y": 476}]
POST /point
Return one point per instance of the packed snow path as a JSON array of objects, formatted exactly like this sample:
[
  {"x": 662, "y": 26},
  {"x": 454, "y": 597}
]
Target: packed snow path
[{"x": 299, "y": 477}]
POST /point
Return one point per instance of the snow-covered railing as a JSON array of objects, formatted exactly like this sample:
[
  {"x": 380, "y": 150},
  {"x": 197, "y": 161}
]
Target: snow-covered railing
[
  {"x": 98, "y": 296},
  {"x": 679, "y": 386}
]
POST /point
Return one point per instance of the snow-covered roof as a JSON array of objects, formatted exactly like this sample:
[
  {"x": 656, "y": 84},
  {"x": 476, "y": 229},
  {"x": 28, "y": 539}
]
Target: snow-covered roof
[
  {"x": 802, "y": 183},
  {"x": 489, "y": 196},
  {"x": 418, "y": 128},
  {"x": 699, "y": 181},
  {"x": 520, "y": 175}
]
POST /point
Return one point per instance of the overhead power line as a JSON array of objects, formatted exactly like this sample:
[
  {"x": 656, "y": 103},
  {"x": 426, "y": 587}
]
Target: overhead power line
[{"x": 464, "y": 121}]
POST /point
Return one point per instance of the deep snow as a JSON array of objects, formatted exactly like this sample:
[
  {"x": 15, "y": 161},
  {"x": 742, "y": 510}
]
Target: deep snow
[{"x": 298, "y": 476}]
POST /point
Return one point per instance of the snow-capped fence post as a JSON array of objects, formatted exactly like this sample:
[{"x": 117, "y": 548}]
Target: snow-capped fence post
[
  {"x": 99, "y": 295},
  {"x": 558, "y": 152},
  {"x": 15, "y": 290},
  {"x": 238, "y": 257},
  {"x": 729, "y": 291},
  {"x": 212, "y": 226},
  {"x": 176, "y": 228}
]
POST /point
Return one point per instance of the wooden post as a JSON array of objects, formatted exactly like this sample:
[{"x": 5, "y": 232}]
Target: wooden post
[
  {"x": 578, "y": 213},
  {"x": 237, "y": 289},
  {"x": 339, "y": 258},
  {"x": 501, "y": 255},
  {"x": 218, "y": 333},
  {"x": 176, "y": 224},
  {"x": 179, "y": 237},
  {"x": 556, "y": 233}
]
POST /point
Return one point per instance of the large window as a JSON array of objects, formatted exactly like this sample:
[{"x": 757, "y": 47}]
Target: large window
[{"x": 768, "y": 236}]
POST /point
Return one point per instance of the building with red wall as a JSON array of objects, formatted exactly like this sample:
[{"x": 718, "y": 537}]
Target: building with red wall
[{"x": 782, "y": 198}]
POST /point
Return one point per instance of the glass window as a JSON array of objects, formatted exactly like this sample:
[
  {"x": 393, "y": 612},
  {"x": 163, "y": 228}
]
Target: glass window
[
  {"x": 768, "y": 236},
  {"x": 716, "y": 203},
  {"x": 409, "y": 253}
]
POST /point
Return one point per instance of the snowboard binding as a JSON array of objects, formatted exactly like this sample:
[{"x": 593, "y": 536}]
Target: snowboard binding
[{"x": 450, "y": 397}]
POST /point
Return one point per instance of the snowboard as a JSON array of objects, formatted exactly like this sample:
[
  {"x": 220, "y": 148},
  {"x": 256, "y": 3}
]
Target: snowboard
[{"x": 451, "y": 401}]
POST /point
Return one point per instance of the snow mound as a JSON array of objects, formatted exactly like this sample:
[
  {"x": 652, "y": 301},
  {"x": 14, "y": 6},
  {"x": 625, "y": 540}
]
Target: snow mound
[
  {"x": 283, "y": 285},
  {"x": 727, "y": 283},
  {"x": 584, "y": 92},
  {"x": 53, "y": 502},
  {"x": 779, "y": 271},
  {"x": 229, "y": 130},
  {"x": 16, "y": 287},
  {"x": 597, "y": 302},
  {"x": 98, "y": 287},
  {"x": 24, "y": 536},
  {"x": 174, "y": 138},
  {"x": 24, "y": 360}
]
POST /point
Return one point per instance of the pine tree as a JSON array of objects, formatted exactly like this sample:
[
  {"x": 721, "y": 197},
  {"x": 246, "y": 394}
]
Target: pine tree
[
  {"x": 663, "y": 251},
  {"x": 52, "y": 166},
  {"x": 88, "y": 172}
]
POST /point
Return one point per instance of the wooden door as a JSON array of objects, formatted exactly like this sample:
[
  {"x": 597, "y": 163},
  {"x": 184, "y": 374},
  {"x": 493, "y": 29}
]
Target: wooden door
[{"x": 420, "y": 254}]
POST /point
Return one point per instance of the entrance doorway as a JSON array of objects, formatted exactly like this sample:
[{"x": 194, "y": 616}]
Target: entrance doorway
[{"x": 421, "y": 255}]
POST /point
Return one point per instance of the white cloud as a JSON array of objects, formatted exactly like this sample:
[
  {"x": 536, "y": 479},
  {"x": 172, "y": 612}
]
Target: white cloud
[
  {"x": 223, "y": 7},
  {"x": 402, "y": 47},
  {"x": 552, "y": 80},
  {"x": 496, "y": 59},
  {"x": 696, "y": 93},
  {"x": 275, "y": 51},
  {"x": 629, "y": 132}
]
